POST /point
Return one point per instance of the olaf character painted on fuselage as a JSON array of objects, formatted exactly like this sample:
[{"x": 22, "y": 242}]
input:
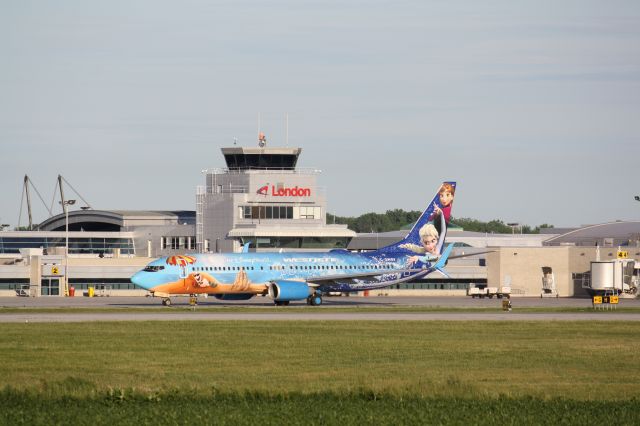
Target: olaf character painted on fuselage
[{"x": 306, "y": 276}]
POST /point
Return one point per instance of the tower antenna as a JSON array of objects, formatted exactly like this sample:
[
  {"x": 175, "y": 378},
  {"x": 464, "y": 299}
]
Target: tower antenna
[{"x": 286, "y": 121}]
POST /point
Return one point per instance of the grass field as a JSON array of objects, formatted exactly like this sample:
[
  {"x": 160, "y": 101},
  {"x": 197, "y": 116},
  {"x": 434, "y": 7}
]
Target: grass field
[{"x": 320, "y": 372}]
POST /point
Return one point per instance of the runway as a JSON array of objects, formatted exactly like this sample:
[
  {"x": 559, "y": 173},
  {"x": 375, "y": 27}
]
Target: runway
[
  {"x": 313, "y": 316},
  {"x": 329, "y": 302},
  {"x": 334, "y": 309}
]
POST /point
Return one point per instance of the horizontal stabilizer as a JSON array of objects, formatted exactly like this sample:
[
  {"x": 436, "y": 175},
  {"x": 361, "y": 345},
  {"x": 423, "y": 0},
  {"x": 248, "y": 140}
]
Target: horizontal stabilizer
[
  {"x": 443, "y": 272},
  {"x": 320, "y": 279},
  {"x": 445, "y": 256}
]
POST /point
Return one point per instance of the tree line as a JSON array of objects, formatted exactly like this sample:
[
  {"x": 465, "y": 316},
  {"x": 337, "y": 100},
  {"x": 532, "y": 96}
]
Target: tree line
[{"x": 393, "y": 220}]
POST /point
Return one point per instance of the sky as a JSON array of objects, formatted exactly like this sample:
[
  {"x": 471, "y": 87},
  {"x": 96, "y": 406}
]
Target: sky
[{"x": 533, "y": 107}]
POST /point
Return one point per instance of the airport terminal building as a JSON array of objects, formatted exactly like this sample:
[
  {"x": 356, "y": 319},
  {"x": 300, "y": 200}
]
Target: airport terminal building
[{"x": 262, "y": 198}]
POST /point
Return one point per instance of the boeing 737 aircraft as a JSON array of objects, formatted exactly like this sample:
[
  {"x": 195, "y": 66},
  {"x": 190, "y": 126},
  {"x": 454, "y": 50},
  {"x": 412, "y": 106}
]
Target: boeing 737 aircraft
[{"x": 293, "y": 276}]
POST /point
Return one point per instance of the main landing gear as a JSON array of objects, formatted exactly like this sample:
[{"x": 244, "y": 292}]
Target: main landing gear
[
  {"x": 166, "y": 301},
  {"x": 314, "y": 300}
]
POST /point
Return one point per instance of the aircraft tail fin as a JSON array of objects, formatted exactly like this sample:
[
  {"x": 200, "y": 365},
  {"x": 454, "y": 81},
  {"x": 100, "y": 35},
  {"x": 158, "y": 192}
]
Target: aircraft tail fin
[{"x": 433, "y": 222}]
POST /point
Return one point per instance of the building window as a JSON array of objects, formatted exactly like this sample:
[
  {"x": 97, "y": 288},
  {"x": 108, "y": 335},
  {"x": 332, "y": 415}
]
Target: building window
[
  {"x": 268, "y": 212},
  {"x": 178, "y": 243},
  {"x": 310, "y": 212}
]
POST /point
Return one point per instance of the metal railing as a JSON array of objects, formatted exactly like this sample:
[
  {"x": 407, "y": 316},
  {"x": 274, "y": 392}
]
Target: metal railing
[{"x": 265, "y": 170}]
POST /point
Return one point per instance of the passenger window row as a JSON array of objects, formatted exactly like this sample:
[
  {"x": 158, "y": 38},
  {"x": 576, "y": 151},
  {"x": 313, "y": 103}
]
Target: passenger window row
[{"x": 296, "y": 267}]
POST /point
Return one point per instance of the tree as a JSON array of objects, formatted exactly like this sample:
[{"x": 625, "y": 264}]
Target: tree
[{"x": 394, "y": 220}]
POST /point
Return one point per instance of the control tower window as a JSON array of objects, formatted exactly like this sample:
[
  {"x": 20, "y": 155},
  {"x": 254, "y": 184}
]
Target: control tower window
[
  {"x": 266, "y": 212},
  {"x": 261, "y": 161}
]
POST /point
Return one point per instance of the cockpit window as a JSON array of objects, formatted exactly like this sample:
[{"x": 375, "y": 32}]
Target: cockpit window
[{"x": 152, "y": 268}]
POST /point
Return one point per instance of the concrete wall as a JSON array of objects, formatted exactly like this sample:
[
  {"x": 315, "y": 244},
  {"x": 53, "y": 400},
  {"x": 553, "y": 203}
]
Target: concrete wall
[
  {"x": 524, "y": 266},
  {"x": 225, "y": 192},
  {"x": 91, "y": 269},
  {"x": 218, "y": 221}
]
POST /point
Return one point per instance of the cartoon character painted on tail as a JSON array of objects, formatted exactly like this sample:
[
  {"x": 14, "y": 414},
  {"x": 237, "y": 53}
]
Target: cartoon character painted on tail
[{"x": 431, "y": 234}]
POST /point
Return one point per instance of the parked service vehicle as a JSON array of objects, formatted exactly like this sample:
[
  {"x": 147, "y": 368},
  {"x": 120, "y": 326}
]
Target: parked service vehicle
[{"x": 490, "y": 292}]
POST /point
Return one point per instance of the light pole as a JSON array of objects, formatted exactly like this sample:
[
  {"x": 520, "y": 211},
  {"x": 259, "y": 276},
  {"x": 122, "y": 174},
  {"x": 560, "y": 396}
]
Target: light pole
[{"x": 65, "y": 205}]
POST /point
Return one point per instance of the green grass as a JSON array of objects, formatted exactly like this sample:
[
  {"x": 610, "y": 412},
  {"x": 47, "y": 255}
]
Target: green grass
[
  {"x": 570, "y": 359},
  {"x": 320, "y": 372},
  {"x": 118, "y": 407}
]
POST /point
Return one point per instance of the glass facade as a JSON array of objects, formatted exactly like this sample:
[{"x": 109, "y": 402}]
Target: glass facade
[
  {"x": 178, "y": 243},
  {"x": 93, "y": 245},
  {"x": 50, "y": 287},
  {"x": 297, "y": 242},
  {"x": 450, "y": 284},
  {"x": 244, "y": 161},
  {"x": 280, "y": 212},
  {"x": 13, "y": 283},
  {"x": 103, "y": 283}
]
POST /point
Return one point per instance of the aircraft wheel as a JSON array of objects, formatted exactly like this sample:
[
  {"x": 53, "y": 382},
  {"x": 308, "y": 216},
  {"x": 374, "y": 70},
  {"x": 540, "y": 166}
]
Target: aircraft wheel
[
  {"x": 166, "y": 302},
  {"x": 316, "y": 300}
]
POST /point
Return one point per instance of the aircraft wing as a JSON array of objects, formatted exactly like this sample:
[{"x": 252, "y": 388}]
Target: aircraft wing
[
  {"x": 321, "y": 279},
  {"x": 458, "y": 256}
]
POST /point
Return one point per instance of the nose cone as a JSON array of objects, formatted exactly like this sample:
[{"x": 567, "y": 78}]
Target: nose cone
[{"x": 138, "y": 279}]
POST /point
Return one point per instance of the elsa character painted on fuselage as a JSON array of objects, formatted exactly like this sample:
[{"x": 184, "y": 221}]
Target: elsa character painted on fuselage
[{"x": 429, "y": 238}]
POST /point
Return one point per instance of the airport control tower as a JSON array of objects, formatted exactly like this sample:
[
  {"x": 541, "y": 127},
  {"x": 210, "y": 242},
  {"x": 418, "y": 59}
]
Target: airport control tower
[{"x": 263, "y": 199}]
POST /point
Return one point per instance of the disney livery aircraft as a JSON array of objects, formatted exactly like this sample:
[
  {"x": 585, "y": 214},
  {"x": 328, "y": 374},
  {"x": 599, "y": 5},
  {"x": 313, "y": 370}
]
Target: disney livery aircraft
[{"x": 292, "y": 276}]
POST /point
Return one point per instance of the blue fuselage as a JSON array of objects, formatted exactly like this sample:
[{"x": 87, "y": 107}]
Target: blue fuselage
[{"x": 334, "y": 270}]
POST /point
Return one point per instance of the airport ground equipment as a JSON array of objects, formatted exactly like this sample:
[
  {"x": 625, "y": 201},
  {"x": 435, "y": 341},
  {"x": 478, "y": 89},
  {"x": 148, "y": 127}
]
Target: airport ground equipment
[
  {"x": 615, "y": 276},
  {"x": 24, "y": 290},
  {"x": 102, "y": 290},
  {"x": 490, "y": 292},
  {"x": 548, "y": 283}
]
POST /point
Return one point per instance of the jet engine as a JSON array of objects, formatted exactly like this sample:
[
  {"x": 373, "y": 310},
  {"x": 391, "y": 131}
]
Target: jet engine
[{"x": 284, "y": 291}]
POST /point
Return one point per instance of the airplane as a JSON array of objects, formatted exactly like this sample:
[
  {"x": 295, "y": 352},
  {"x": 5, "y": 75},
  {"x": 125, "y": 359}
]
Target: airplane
[{"x": 300, "y": 276}]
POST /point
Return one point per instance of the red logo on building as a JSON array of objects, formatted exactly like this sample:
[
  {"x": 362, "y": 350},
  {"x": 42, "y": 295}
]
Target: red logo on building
[
  {"x": 264, "y": 190},
  {"x": 283, "y": 191}
]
